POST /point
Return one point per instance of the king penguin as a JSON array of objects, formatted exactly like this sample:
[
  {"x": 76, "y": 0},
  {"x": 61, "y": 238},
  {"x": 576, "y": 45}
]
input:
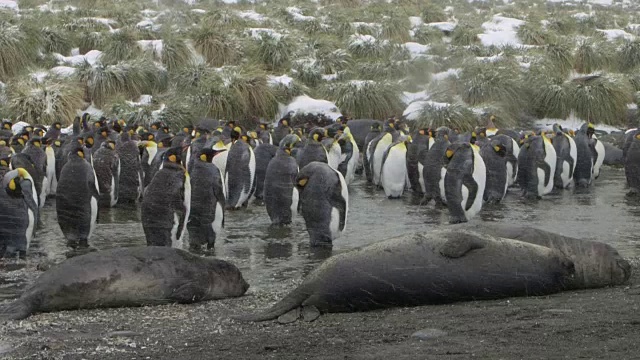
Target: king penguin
[
  {"x": 77, "y": 200},
  {"x": 206, "y": 217},
  {"x": 240, "y": 172},
  {"x": 378, "y": 148},
  {"x": 50, "y": 151},
  {"x": 18, "y": 209},
  {"x": 280, "y": 193},
  {"x": 106, "y": 163},
  {"x": 324, "y": 202},
  {"x": 166, "y": 202},
  {"x": 350, "y": 155},
  {"x": 332, "y": 145},
  {"x": 583, "y": 173},
  {"x": 394, "y": 168},
  {"x": 374, "y": 132},
  {"x": 38, "y": 156},
  {"x": 130, "y": 180},
  {"x": 567, "y": 153},
  {"x": 431, "y": 167},
  {"x": 264, "y": 152},
  {"x": 313, "y": 150}
]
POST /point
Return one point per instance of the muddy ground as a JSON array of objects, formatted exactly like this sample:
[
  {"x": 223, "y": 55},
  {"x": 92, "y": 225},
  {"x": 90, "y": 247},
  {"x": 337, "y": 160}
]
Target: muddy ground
[{"x": 588, "y": 324}]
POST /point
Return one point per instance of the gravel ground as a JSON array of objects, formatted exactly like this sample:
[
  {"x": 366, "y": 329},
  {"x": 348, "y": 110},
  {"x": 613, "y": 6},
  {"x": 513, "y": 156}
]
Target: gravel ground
[{"x": 589, "y": 324}]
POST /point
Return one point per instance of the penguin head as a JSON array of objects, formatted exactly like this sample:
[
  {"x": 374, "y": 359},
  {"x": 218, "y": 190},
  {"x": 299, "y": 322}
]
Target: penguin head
[
  {"x": 28, "y": 129},
  {"x": 499, "y": 148},
  {"x": 18, "y": 141},
  {"x": 318, "y": 134},
  {"x": 283, "y": 122},
  {"x": 57, "y": 125},
  {"x": 3, "y": 142},
  {"x": 104, "y": 131},
  {"x": 207, "y": 155},
  {"x": 264, "y": 126},
  {"x": 235, "y": 133},
  {"x": 288, "y": 142},
  {"x": 7, "y": 125},
  {"x": 148, "y": 136},
  {"x": 156, "y": 125},
  {"x": 376, "y": 126},
  {"x": 57, "y": 143},
  {"x": 97, "y": 124},
  {"x": 231, "y": 124},
  {"x": 173, "y": 155},
  {"x": 39, "y": 131},
  {"x": 89, "y": 141},
  {"x": 109, "y": 144},
  {"x": 163, "y": 140},
  {"x": 14, "y": 181},
  {"x": 77, "y": 151},
  {"x": 481, "y": 132},
  {"x": 187, "y": 129},
  {"x": 591, "y": 129},
  {"x": 25, "y": 134},
  {"x": 5, "y": 161},
  {"x": 36, "y": 141}
]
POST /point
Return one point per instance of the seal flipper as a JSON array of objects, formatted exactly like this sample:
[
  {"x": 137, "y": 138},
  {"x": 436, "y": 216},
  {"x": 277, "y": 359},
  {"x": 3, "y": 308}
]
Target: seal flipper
[
  {"x": 290, "y": 316},
  {"x": 292, "y": 301},
  {"x": 310, "y": 313},
  {"x": 460, "y": 245},
  {"x": 16, "y": 310}
]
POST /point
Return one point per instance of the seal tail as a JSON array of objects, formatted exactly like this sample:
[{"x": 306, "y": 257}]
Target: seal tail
[
  {"x": 288, "y": 303},
  {"x": 16, "y": 310}
]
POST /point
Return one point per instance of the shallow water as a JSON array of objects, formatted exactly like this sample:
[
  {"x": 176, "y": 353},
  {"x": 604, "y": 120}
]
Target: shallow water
[{"x": 268, "y": 256}]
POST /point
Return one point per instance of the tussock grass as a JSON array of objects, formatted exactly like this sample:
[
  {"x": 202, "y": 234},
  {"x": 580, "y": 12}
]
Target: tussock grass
[
  {"x": 455, "y": 116},
  {"x": 433, "y": 13},
  {"x": 629, "y": 55},
  {"x": 601, "y": 99},
  {"x": 533, "y": 34},
  {"x": 217, "y": 47},
  {"x": 308, "y": 71},
  {"x": 44, "y": 102},
  {"x": 91, "y": 41},
  {"x": 465, "y": 35},
  {"x": 365, "y": 99},
  {"x": 16, "y": 52},
  {"x": 175, "y": 53},
  {"x": 274, "y": 51},
  {"x": 587, "y": 57},
  {"x": 121, "y": 46}
]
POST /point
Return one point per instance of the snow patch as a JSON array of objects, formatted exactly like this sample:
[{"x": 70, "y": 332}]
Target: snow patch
[
  {"x": 414, "y": 110},
  {"x": 9, "y": 4},
  {"x": 304, "y": 104},
  {"x": 64, "y": 71},
  {"x": 416, "y": 49},
  {"x": 92, "y": 110},
  {"x": 151, "y": 45},
  {"x": 297, "y": 15},
  {"x": 445, "y": 74},
  {"x": 613, "y": 34},
  {"x": 90, "y": 57},
  {"x": 251, "y": 15},
  {"x": 285, "y": 80},
  {"x": 415, "y": 21},
  {"x": 409, "y": 97},
  {"x": 256, "y": 33},
  {"x": 501, "y": 31},
  {"x": 443, "y": 26}
]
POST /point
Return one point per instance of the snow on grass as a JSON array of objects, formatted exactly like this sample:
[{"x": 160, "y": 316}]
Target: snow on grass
[
  {"x": 151, "y": 45},
  {"x": 446, "y": 26},
  {"x": 445, "y": 74},
  {"x": 256, "y": 33},
  {"x": 361, "y": 40},
  {"x": 372, "y": 27},
  {"x": 493, "y": 58},
  {"x": 142, "y": 101},
  {"x": 145, "y": 24},
  {"x": 304, "y": 104},
  {"x": 251, "y": 15},
  {"x": 329, "y": 77},
  {"x": 91, "y": 57},
  {"x": 415, "y": 21},
  {"x": 64, "y": 71},
  {"x": 297, "y": 15},
  {"x": 416, "y": 49},
  {"x": 501, "y": 31},
  {"x": 409, "y": 97},
  {"x": 572, "y": 122},
  {"x": 613, "y": 34},
  {"x": 198, "y": 11},
  {"x": 414, "y": 110},
  {"x": 17, "y": 127},
  {"x": 9, "y": 4},
  {"x": 581, "y": 16},
  {"x": 285, "y": 80},
  {"x": 91, "y": 110}
]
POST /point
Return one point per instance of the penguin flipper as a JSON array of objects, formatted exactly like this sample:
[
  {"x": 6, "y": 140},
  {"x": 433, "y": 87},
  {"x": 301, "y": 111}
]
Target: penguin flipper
[
  {"x": 547, "y": 171},
  {"x": 339, "y": 203},
  {"x": 570, "y": 161},
  {"x": 471, "y": 184}
]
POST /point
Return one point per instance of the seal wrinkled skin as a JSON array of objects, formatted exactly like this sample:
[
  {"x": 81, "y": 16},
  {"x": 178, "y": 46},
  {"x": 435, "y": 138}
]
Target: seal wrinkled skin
[
  {"x": 437, "y": 267},
  {"x": 134, "y": 276}
]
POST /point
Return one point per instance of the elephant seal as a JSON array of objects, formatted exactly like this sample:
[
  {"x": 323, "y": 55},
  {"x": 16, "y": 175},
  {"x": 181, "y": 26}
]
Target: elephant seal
[
  {"x": 438, "y": 267},
  {"x": 597, "y": 264},
  {"x": 134, "y": 276}
]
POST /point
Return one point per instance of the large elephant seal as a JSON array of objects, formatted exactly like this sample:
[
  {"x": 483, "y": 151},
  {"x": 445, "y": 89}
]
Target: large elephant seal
[
  {"x": 597, "y": 264},
  {"x": 439, "y": 267},
  {"x": 134, "y": 276}
]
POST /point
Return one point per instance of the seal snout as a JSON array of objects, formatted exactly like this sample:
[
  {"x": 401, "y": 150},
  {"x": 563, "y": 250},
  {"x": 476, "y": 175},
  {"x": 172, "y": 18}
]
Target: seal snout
[{"x": 625, "y": 267}]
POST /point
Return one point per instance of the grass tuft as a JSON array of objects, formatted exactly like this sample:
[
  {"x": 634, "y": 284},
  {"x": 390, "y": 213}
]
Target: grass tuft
[{"x": 365, "y": 99}]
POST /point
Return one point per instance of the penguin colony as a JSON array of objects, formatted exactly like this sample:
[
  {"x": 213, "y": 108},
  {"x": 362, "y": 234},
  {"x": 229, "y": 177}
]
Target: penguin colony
[{"x": 185, "y": 181}]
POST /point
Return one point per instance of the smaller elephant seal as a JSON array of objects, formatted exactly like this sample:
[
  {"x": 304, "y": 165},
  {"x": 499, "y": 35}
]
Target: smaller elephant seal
[
  {"x": 133, "y": 276},
  {"x": 438, "y": 267},
  {"x": 597, "y": 264}
]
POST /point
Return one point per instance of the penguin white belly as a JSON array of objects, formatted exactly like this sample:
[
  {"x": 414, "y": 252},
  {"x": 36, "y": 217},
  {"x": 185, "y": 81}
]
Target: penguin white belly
[
  {"x": 550, "y": 158},
  {"x": 220, "y": 161},
  {"x": 465, "y": 198},
  {"x": 187, "y": 205},
  {"x": 31, "y": 227},
  {"x": 153, "y": 150},
  {"x": 44, "y": 191},
  {"x": 112, "y": 193},
  {"x": 510, "y": 177},
  {"x": 480, "y": 177},
  {"x": 175, "y": 241},
  {"x": 506, "y": 186},
  {"x": 295, "y": 198},
  {"x": 188, "y": 157},
  {"x": 334, "y": 225},
  {"x": 516, "y": 153},
  {"x": 140, "y": 186},
  {"x": 51, "y": 171},
  {"x": 443, "y": 173},
  {"x": 431, "y": 142},
  {"x": 394, "y": 173},
  {"x": 378, "y": 153},
  {"x": 564, "y": 175},
  {"x": 599, "y": 159},
  {"x": 573, "y": 152},
  {"x": 94, "y": 216},
  {"x": 353, "y": 163},
  {"x": 334, "y": 156},
  {"x": 421, "y": 177},
  {"x": 218, "y": 220}
]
